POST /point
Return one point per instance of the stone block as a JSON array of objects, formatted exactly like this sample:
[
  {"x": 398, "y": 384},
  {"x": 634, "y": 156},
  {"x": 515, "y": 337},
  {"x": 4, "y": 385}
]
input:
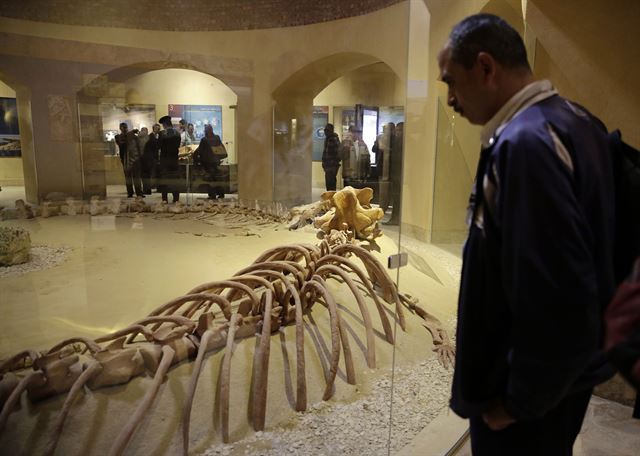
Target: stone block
[{"x": 15, "y": 246}]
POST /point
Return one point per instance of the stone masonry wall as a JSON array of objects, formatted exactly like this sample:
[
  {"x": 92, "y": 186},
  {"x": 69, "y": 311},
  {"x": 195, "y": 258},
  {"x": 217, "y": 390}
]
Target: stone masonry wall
[{"x": 189, "y": 15}]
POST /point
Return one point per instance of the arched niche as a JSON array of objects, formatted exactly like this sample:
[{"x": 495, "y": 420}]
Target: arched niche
[{"x": 293, "y": 121}]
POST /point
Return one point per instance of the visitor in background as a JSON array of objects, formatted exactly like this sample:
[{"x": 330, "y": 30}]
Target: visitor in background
[
  {"x": 209, "y": 155},
  {"x": 143, "y": 137},
  {"x": 121, "y": 141},
  {"x": 537, "y": 263},
  {"x": 330, "y": 157},
  {"x": 150, "y": 153},
  {"x": 395, "y": 173},
  {"x": 168, "y": 168},
  {"x": 133, "y": 164},
  {"x": 623, "y": 331},
  {"x": 182, "y": 129},
  {"x": 220, "y": 153},
  {"x": 188, "y": 137},
  {"x": 346, "y": 151},
  {"x": 381, "y": 145},
  {"x": 131, "y": 172},
  {"x": 360, "y": 157},
  {"x": 382, "y": 150}
]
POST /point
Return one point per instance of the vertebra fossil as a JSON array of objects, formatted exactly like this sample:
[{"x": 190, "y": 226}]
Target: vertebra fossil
[
  {"x": 278, "y": 289},
  {"x": 350, "y": 209}
]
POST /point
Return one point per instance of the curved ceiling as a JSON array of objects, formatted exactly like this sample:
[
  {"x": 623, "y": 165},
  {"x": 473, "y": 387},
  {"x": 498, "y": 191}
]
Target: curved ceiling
[{"x": 189, "y": 15}]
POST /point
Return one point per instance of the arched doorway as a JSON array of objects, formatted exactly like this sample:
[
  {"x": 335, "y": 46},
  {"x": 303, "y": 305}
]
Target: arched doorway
[
  {"x": 138, "y": 96},
  {"x": 334, "y": 85}
]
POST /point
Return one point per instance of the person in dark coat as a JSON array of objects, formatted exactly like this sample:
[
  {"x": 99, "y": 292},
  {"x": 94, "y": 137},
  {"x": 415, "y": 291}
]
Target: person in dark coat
[
  {"x": 127, "y": 142},
  {"x": 537, "y": 264},
  {"x": 168, "y": 168},
  {"x": 208, "y": 155},
  {"x": 623, "y": 331},
  {"x": 330, "y": 157},
  {"x": 150, "y": 157},
  {"x": 395, "y": 174}
]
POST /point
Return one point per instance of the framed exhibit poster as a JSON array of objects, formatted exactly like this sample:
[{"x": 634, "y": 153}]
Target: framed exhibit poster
[
  {"x": 320, "y": 120},
  {"x": 199, "y": 116},
  {"x": 9, "y": 131}
]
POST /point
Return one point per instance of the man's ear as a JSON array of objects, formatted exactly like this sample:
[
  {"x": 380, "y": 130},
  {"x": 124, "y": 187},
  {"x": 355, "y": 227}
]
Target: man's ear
[{"x": 487, "y": 65}]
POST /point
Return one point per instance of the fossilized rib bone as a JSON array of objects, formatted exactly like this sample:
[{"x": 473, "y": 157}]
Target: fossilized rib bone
[
  {"x": 89, "y": 372},
  {"x": 278, "y": 289},
  {"x": 127, "y": 432}
]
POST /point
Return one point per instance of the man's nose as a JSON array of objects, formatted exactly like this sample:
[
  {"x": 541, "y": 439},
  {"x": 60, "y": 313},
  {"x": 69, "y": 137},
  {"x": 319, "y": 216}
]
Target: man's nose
[{"x": 451, "y": 100}]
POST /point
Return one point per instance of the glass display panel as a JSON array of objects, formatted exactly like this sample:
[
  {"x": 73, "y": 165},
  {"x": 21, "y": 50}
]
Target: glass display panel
[
  {"x": 262, "y": 287},
  {"x": 9, "y": 129}
]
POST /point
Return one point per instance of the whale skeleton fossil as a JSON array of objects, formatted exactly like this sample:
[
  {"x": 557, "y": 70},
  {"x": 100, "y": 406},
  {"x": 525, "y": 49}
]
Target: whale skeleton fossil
[{"x": 278, "y": 289}]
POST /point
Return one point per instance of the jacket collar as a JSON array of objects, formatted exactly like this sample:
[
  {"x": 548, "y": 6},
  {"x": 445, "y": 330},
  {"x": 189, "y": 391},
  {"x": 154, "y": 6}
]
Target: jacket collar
[{"x": 527, "y": 96}]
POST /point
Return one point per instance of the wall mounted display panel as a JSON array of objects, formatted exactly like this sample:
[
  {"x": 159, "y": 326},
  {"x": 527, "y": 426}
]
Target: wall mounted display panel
[
  {"x": 9, "y": 130},
  {"x": 199, "y": 116}
]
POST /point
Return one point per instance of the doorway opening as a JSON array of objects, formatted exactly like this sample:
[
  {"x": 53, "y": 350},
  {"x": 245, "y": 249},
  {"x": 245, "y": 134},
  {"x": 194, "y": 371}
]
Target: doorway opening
[
  {"x": 361, "y": 105},
  {"x": 193, "y": 100}
]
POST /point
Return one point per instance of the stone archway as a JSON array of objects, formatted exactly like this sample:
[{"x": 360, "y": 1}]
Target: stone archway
[
  {"x": 293, "y": 122},
  {"x": 98, "y": 172},
  {"x": 55, "y": 72}
]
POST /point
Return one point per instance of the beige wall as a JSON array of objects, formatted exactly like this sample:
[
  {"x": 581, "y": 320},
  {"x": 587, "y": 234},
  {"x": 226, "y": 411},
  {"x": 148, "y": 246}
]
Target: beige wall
[
  {"x": 11, "y": 171},
  {"x": 430, "y": 24},
  {"x": 458, "y": 146},
  {"x": 590, "y": 52},
  {"x": 6, "y": 91},
  {"x": 375, "y": 85}
]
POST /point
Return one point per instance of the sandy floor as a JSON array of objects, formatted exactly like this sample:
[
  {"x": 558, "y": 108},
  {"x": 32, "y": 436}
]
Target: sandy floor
[{"x": 119, "y": 269}]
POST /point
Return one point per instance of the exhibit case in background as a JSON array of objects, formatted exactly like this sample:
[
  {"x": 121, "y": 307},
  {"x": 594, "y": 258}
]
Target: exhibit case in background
[{"x": 260, "y": 313}]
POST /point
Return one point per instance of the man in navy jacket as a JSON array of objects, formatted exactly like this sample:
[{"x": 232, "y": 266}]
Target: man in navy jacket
[{"x": 537, "y": 270}]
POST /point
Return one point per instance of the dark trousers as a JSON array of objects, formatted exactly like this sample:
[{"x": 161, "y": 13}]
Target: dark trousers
[
  {"x": 163, "y": 189},
  {"x": 216, "y": 192},
  {"x": 169, "y": 181},
  {"x": 551, "y": 435},
  {"x": 133, "y": 178},
  {"x": 330, "y": 178},
  {"x": 148, "y": 175},
  {"x": 395, "y": 200}
]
